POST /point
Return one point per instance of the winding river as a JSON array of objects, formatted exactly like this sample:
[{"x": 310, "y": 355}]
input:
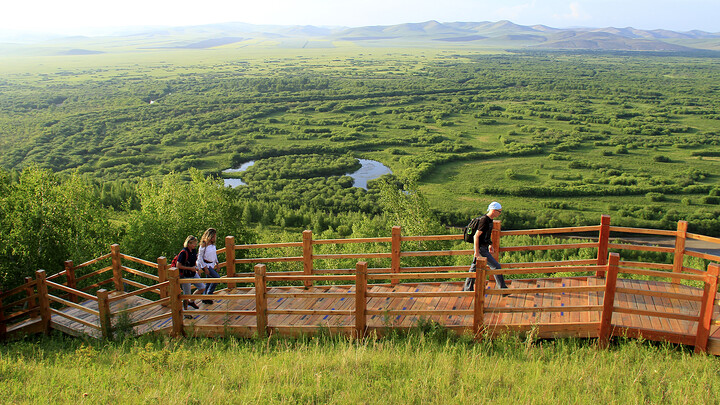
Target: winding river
[{"x": 369, "y": 170}]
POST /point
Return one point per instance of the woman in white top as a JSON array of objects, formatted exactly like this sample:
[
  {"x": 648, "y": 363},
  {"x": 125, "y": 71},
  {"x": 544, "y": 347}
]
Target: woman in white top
[{"x": 207, "y": 259}]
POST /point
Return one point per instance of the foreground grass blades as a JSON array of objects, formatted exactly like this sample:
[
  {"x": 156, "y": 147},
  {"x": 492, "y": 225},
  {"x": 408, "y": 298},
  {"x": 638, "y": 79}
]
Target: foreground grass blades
[{"x": 426, "y": 365}]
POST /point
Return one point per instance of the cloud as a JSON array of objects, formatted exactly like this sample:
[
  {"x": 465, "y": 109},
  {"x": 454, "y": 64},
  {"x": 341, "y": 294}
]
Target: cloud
[
  {"x": 514, "y": 12},
  {"x": 576, "y": 13}
]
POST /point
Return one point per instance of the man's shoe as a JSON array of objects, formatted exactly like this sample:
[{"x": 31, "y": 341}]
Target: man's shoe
[
  {"x": 194, "y": 305},
  {"x": 208, "y": 302}
]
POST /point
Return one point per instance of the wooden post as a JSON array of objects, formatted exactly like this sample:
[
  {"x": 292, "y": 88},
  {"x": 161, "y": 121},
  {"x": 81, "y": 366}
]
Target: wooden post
[
  {"x": 29, "y": 291},
  {"x": 116, "y": 263},
  {"x": 680, "y": 237},
  {"x": 175, "y": 302},
  {"x": 360, "y": 299},
  {"x": 104, "y": 310},
  {"x": 230, "y": 259},
  {"x": 608, "y": 301},
  {"x": 495, "y": 238},
  {"x": 43, "y": 301},
  {"x": 3, "y": 327},
  {"x": 603, "y": 240},
  {"x": 163, "y": 276},
  {"x": 70, "y": 276},
  {"x": 479, "y": 302},
  {"x": 395, "y": 253},
  {"x": 261, "y": 300},
  {"x": 706, "y": 310},
  {"x": 307, "y": 256}
]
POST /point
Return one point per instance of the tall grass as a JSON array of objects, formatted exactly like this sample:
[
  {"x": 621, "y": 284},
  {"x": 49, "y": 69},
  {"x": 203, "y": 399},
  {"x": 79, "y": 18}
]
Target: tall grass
[{"x": 425, "y": 366}]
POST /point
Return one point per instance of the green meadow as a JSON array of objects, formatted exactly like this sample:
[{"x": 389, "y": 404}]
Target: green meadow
[
  {"x": 558, "y": 137},
  {"x": 424, "y": 366}
]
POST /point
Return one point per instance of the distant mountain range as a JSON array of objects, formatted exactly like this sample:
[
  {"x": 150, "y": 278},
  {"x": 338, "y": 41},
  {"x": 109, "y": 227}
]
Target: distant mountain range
[{"x": 500, "y": 34}]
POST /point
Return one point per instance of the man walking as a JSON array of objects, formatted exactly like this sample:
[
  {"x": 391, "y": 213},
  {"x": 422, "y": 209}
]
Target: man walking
[{"x": 482, "y": 244}]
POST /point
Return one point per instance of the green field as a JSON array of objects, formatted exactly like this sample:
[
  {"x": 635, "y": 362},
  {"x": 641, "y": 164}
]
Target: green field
[{"x": 558, "y": 137}]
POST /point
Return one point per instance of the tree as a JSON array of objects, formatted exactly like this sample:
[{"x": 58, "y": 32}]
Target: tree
[
  {"x": 172, "y": 209},
  {"x": 45, "y": 220}
]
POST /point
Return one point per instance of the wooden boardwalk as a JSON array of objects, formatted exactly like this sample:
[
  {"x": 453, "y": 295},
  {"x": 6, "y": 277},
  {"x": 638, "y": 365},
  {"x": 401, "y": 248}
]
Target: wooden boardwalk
[
  {"x": 605, "y": 296},
  {"x": 342, "y": 298}
]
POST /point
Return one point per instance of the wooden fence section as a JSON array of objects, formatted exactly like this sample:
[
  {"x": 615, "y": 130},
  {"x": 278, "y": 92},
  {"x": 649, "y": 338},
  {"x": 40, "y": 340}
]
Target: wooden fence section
[{"x": 580, "y": 301}]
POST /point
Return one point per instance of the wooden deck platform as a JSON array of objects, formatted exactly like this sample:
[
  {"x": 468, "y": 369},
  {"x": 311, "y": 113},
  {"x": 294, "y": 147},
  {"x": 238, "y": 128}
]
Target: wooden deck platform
[{"x": 505, "y": 318}]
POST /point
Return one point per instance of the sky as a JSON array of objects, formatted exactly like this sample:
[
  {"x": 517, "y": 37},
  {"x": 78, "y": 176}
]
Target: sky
[{"x": 77, "y": 16}]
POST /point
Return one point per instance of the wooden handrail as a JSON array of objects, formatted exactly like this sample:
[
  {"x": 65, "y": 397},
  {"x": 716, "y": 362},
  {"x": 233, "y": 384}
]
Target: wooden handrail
[
  {"x": 17, "y": 290},
  {"x": 93, "y": 261},
  {"x": 140, "y": 273},
  {"x": 644, "y": 248},
  {"x": 533, "y": 270},
  {"x": 70, "y": 290},
  {"x": 144, "y": 306},
  {"x": 642, "y": 231},
  {"x": 268, "y": 245},
  {"x": 701, "y": 255},
  {"x": 589, "y": 245},
  {"x": 154, "y": 288},
  {"x": 576, "y": 308},
  {"x": 74, "y": 319},
  {"x": 660, "y": 294},
  {"x": 140, "y": 261},
  {"x": 430, "y": 238},
  {"x": 662, "y": 274},
  {"x": 73, "y": 305},
  {"x": 356, "y": 240},
  {"x": 94, "y": 273},
  {"x": 669, "y": 315},
  {"x": 703, "y": 238},
  {"x": 269, "y": 260},
  {"x": 408, "y": 276},
  {"x": 20, "y": 301},
  {"x": 573, "y": 229}
]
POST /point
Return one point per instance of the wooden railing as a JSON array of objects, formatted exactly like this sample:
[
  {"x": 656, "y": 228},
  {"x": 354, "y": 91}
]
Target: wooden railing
[{"x": 37, "y": 298}]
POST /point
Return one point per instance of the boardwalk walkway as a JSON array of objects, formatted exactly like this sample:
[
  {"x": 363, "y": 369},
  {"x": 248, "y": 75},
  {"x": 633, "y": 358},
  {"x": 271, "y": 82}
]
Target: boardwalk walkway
[{"x": 589, "y": 298}]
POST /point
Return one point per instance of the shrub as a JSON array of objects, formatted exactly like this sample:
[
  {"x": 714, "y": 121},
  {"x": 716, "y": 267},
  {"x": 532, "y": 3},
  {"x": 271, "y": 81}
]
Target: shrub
[{"x": 661, "y": 159}]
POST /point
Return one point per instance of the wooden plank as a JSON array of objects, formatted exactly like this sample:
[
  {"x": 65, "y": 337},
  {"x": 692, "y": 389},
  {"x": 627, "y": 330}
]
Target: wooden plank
[
  {"x": 141, "y": 273},
  {"x": 643, "y": 248},
  {"x": 70, "y": 290},
  {"x": 269, "y": 260},
  {"x": 644, "y": 265},
  {"x": 353, "y": 256},
  {"x": 538, "y": 290},
  {"x": 306, "y": 312},
  {"x": 431, "y": 238},
  {"x": 661, "y": 294},
  {"x": 73, "y": 305},
  {"x": 609, "y": 306},
  {"x": 17, "y": 290},
  {"x": 261, "y": 300},
  {"x": 534, "y": 270},
  {"x": 703, "y": 238},
  {"x": 706, "y": 310},
  {"x": 144, "y": 306},
  {"x": 706, "y": 256},
  {"x": 574, "y": 229},
  {"x": 558, "y": 264},
  {"x": 268, "y": 245},
  {"x": 92, "y": 261},
  {"x": 648, "y": 334},
  {"x": 94, "y": 273},
  {"x": 346, "y": 241},
  {"x": 139, "y": 261},
  {"x": 74, "y": 319},
  {"x": 662, "y": 274},
  {"x": 154, "y": 288},
  {"x": 588, "y": 245},
  {"x": 649, "y": 313},
  {"x": 361, "y": 291},
  {"x": 642, "y": 231}
]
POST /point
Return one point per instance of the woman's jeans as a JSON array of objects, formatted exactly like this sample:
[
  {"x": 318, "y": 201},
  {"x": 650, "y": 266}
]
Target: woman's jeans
[{"x": 211, "y": 286}]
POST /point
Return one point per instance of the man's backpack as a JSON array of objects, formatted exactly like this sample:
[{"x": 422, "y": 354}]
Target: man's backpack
[{"x": 470, "y": 230}]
